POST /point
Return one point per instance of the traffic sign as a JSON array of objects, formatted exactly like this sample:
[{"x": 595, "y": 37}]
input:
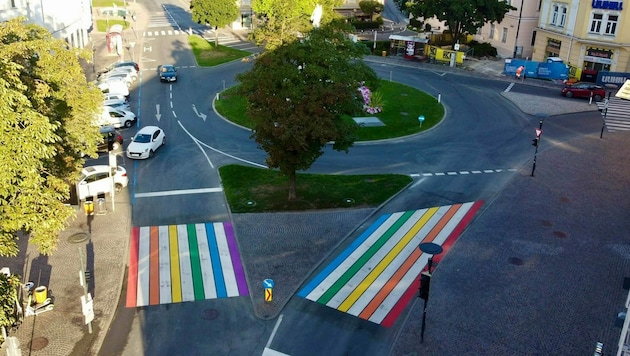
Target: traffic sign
[
  {"x": 268, "y": 294},
  {"x": 268, "y": 283},
  {"x": 538, "y": 133}
]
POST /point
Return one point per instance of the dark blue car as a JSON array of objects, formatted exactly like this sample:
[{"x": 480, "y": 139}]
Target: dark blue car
[{"x": 167, "y": 73}]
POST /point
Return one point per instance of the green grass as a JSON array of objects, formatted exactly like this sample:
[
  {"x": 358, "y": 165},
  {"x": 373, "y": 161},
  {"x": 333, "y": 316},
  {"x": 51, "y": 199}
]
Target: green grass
[
  {"x": 256, "y": 190},
  {"x": 102, "y": 25},
  {"x": 401, "y": 107},
  {"x": 208, "y": 55},
  {"x": 108, "y": 3}
]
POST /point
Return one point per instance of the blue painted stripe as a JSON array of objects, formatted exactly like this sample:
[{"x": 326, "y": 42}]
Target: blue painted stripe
[
  {"x": 216, "y": 261},
  {"x": 135, "y": 163},
  {"x": 342, "y": 257}
]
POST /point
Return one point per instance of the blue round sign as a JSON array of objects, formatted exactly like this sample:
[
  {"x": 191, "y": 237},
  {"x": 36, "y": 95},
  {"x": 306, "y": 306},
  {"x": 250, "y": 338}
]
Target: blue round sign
[{"x": 267, "y": 283}]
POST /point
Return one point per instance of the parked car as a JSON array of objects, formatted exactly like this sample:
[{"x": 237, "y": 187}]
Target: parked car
[
  {"x": 125, "y": 77},
  {"x": 167, "y": 73},
  {"x": 97, "y": 180},
  {"x": 112, "y": 139},
  {"x": 120, "y": 70},
  {"x": 117, "y": 87},
  {"x": 116, "y": 117},
  {"x": 146, "y": 142},
  {"x": 118, "y": 97},
  {"x": 123, "y": 64},
  {"x": 584, "y": 90},
  {"x": 120, "y": 105}
]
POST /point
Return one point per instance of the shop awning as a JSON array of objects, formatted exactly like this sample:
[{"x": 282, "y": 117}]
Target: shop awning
[{"x": 408, "y": 38}]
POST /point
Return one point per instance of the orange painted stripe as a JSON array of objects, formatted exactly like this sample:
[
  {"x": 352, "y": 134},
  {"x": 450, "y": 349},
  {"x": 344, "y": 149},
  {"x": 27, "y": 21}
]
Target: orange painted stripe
[
  {"x": 154, "y": 267},
  {"x": 409, "y": 262},
  {"x": 132, "y": 277}
]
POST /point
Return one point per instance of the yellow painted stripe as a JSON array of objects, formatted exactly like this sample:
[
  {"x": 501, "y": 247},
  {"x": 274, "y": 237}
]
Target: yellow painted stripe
[
  {"x": 174, "y": 252},
  {"x": 378, "y": 269}
]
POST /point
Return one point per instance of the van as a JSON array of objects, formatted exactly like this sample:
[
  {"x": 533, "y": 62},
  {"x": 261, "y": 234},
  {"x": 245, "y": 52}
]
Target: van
[
  {"x": 555, "y": 60},
  {"x": 115, "y": 117}
]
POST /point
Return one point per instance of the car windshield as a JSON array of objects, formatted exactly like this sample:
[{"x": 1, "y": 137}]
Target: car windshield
[
  {"x": 142, "y": 138},
  {"x": 167, "y": 69}
]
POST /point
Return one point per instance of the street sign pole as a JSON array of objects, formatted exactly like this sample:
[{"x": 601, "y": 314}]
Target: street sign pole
[{"x": 536, "y": 143}]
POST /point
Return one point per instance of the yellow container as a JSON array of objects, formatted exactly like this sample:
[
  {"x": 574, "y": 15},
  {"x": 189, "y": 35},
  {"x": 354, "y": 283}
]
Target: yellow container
[
  {"x": 41, "y": 293},
  {"x": 384, "y": 53}
]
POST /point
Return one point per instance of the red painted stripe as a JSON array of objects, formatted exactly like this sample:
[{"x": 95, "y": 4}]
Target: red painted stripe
[
  {"x": 402, "y": 303},
  {"x": 132, "y": 274},
  {"x": 154, "y": 267}
]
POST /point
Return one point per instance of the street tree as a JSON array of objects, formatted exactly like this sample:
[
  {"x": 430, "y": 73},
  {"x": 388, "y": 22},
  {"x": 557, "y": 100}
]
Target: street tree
[
  {"x": 300, "y": 95},
  {"x": 47, "y": 109},
  {"x": 371, "y": 7},
  {"x": 461, "y": 16},
  {"x": 281, "y": 21},
  {"x": 216, "y": 13}
]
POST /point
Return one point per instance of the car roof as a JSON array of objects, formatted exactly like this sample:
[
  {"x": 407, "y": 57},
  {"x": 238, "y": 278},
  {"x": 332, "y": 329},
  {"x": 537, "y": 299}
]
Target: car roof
[
  {"x": 100, "y": 168},
  {"x": 148, "y": 129},
  {"x": 105, "y": 129}
]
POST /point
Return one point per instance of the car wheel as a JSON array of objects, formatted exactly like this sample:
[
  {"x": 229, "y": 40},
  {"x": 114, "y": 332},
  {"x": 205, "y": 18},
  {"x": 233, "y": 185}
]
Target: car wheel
[
  {"x": 115, "y": 146},
  {"x": 128, "y": 124},
  {"x": 150, "y": 153},
  {"x": 569, "y": 94},
  {"x": 118, "y": 188},
  {"x": 598, "y": 97}
]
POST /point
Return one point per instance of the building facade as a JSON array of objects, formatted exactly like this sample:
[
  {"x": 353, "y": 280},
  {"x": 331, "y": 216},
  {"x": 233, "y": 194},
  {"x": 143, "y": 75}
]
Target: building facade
[
  {"x": 514, "y": 36},
  {"x": 591, "y": 35},
  {"x": 69, "y": 20}
]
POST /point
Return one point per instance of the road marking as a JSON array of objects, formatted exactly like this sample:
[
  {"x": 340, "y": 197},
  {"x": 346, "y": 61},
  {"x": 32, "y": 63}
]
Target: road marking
[
  {"x": 509, "y": 87},
  {"x": 178, "y": 192}
]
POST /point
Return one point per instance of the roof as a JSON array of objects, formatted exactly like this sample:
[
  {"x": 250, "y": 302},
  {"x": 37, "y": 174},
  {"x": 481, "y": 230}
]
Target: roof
[{"x": 408, "y": 38}]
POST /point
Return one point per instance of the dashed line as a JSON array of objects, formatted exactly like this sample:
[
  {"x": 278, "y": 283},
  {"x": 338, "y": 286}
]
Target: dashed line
[
  {"x": 509, "y": 87},
  {"x": 461, "y": 173}
]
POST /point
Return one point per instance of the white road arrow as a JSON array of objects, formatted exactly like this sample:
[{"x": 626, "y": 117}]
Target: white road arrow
[
  {"x": 157, "y": 115},
  {"x": 202, "y": 115}
]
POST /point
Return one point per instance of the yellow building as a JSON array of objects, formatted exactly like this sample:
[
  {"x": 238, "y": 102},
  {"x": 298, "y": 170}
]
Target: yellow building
[{"x": 592, "y": 35}]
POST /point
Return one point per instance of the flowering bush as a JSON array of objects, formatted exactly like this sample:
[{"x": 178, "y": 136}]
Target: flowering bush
[{"x": 372, "y": 102}]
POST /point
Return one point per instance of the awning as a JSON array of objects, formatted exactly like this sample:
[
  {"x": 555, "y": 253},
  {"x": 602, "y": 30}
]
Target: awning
[{"x": 408, "y": 38}]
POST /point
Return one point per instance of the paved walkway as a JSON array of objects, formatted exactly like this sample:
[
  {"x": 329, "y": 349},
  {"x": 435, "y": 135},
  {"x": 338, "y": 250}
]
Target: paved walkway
[{"x": 538, "y": 272}]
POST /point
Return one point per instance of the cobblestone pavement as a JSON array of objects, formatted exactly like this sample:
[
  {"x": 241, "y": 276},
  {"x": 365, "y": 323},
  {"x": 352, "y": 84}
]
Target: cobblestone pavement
[{"x": 538, "y": 272}]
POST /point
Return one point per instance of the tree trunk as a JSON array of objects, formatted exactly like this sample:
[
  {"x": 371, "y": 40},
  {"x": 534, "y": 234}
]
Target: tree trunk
[
  {"x": 216, "y": 37},
  {"x": 292, "y": 195}
]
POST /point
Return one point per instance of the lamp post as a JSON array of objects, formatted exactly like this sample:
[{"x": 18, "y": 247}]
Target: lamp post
[
  {"x": 609, "y": 88},
  {"x": 425, "y": 279}
]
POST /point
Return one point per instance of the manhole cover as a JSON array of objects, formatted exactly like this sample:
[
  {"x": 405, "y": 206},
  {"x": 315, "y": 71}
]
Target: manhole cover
[
  {"x": 559, "y": 234},
  {"x": 78, "y": 237},
  {"x": 516, "y": 261},
  {"x": 38, "y": 343},
  {"x": 210, "y": 314},
  {"x": 546, "y": 223}
]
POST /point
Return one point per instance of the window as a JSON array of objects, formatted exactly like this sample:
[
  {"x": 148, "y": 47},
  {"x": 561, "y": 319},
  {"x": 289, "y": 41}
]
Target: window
[
  {"x": 563, "y": 16},
  {"x": 554, "y": 16},
  {"x": 533, "y": 38},
  {"x": 559, "y": 15},
  {"x": 596, "y": 23},
  {"x": 504, "y": 35},
  {"x": 491, "y": 35},
  {"x": 609, "y": 22}
]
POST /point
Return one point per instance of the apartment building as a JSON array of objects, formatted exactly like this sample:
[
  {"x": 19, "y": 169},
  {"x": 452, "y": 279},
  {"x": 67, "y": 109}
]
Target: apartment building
[
  {"x": 592, "y": 35},
  {"x": 69, "y": 20},
  {"x": 514, "y": 36}
]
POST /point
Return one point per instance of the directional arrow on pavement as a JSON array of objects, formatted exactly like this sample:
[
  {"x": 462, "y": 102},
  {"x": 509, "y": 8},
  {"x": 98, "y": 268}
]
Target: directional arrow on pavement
[
  {"x": 157, "y": 115},
  {"x": 201, "y": 115}
]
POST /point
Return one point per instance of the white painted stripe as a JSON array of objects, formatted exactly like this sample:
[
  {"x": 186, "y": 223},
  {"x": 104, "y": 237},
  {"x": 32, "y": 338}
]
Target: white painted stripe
[
  {"x": 185, "y": 268},
  {"x": 269, "y": 352},
  {"x": 178, "y": 192},
  {"x": 439, "y": 174},
  {"x": 170, "y": 32},
  {"x": 227, "y": 267},
  {"x": 408, "y": 279},
  {"x": 395, "y": 264},
  {"x": 464, "y": 172},
  {"x": 488, "y": 171},
  {"x": 414, "y": 175},
  {"x": 476, "y": 172},
  {"x": 382, "y": 252},
  {"x": 451, "y": 173},
  {"x": 142, "y": 297},
  {"x": 164, "y": 266},
  {"x": 162, "y": 33},
  {"x": 209, "y": 287},
  {"x": 427, "y": 174},
  {"x": 325, "y": 284}
]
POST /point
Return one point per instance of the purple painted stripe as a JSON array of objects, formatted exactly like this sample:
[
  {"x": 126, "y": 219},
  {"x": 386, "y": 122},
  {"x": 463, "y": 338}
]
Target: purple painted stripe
[{"x": 236, "y": 259}]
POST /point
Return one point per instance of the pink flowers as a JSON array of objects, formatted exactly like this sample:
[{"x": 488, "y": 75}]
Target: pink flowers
[{"x": 371, "y": 101}]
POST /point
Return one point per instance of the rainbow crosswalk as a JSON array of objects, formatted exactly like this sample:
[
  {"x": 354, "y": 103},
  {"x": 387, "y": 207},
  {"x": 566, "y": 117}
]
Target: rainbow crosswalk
[
  {"x": 181, "y": 263},
  {"x": 377, "y": 275}
]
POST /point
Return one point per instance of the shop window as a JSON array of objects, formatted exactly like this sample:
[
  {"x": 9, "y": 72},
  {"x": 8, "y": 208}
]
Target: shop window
[{"x": 504, "y": 35}]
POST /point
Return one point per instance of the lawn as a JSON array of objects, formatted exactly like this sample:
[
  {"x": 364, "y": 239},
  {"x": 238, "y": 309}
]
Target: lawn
[
  {"x": 256, "y": 190},
  {"x": 208, "y": 55},
  {"x": 109, "y": 3},
  {"x": 103, "y": 25},
  {"x": 402, "y": 105}
]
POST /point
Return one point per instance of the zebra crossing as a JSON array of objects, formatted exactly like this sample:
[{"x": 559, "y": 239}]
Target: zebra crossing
[
  {"x": 181, "y": 263},
  {"x": 377, "y": 275},
  {"x": 617, "y": 115}
]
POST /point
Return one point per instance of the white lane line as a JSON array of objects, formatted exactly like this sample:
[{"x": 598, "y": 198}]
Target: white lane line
[
  {"x": 178, "y": 192},
  {"x": 509, "y": 87}
]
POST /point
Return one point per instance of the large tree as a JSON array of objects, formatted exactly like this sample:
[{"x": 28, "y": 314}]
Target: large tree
[
  {"x": 47, "y": 110},
  {"x": 281, "y": 21},
  {"x": 461, "y": 16},
  {"x": 217, "y": 13},
  {"x": 298, "y": 95}
]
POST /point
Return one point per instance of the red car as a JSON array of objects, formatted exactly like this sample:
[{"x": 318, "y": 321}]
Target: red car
[{"x": 584, "y": 90}]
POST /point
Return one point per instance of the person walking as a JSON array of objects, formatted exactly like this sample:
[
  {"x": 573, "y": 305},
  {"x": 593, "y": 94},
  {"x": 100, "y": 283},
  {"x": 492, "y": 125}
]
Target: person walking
[{"x": 519, "y": 72}]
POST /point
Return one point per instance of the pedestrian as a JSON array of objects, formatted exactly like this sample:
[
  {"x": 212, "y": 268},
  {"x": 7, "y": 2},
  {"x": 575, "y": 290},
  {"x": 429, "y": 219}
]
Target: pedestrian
[{"x": 519, "y": 71}]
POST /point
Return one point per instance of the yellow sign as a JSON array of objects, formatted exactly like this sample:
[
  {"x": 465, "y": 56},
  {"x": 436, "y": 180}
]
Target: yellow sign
[
  {"x": 624, "y": 91},
  {"x": 268, "y": 294},
  {"x": 444, "y": 55}
]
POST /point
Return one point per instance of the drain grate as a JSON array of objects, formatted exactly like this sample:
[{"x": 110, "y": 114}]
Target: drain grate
[{"x": 78, "y": 237}]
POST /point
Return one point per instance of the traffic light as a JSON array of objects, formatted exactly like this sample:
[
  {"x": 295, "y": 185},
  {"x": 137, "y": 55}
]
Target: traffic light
[
  {"x": 425, "y": 283},
  {"x": 535, "y": 142}
]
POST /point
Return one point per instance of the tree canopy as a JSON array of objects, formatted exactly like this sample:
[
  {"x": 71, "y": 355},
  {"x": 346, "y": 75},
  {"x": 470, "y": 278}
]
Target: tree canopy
[
  {"x": 217, "y": 13},
  {"x": 47, "y": 109},
  {"x": 298, "y": 95},
  {"x": 461, "y": 16},
  {"x": 281, "y": 21}
]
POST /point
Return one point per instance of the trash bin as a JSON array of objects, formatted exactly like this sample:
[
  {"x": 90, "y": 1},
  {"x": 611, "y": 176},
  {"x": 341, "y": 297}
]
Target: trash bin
[
  {"x": 41, "y": 293},
  {"x": 88, "y": 206},
  {"x": 100, "y": 206},
  {"x": 384, "y": 53}
]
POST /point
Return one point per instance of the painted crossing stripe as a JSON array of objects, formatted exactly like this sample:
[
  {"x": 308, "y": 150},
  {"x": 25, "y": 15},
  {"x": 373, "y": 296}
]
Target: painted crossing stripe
[
  {"x": 373, "y": 276},
  {"x": 180, "y": 263}
]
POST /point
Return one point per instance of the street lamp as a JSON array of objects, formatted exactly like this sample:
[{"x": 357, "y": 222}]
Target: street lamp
[
  {"x": 425, "y": 279},
  {"x": 610, "y": 87}
]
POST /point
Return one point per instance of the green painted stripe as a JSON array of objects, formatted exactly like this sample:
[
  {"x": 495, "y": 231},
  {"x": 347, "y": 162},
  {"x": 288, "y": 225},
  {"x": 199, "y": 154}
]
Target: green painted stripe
[
  {"x": 195, "y": 263},
  {"x": 347, "y": 275}
]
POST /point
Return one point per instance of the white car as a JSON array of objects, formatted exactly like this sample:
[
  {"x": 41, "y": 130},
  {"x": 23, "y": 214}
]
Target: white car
[
  {"x": 144, "y": 144},
  {"x": 125, "y": 77},
  {"x": 118, "y": 97},
  {"x": 124, "y": 70},
  {"x": 97, "y": 180},
  {"x": 118, "y": 87},
  {"x": 120, "y": 105},
  {"x": 116, "y": 117}
]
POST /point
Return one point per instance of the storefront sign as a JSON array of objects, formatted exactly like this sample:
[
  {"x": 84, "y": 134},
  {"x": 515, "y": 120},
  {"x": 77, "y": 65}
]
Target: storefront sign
[{"x": 607, "y": 5}]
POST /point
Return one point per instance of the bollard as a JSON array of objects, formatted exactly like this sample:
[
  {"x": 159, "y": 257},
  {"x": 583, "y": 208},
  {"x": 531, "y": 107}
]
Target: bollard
[{"x": 439, "y": 98}]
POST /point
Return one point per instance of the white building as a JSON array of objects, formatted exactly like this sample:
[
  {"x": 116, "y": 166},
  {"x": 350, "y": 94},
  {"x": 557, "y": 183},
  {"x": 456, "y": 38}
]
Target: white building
[{"x": 69, "y": 20}]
